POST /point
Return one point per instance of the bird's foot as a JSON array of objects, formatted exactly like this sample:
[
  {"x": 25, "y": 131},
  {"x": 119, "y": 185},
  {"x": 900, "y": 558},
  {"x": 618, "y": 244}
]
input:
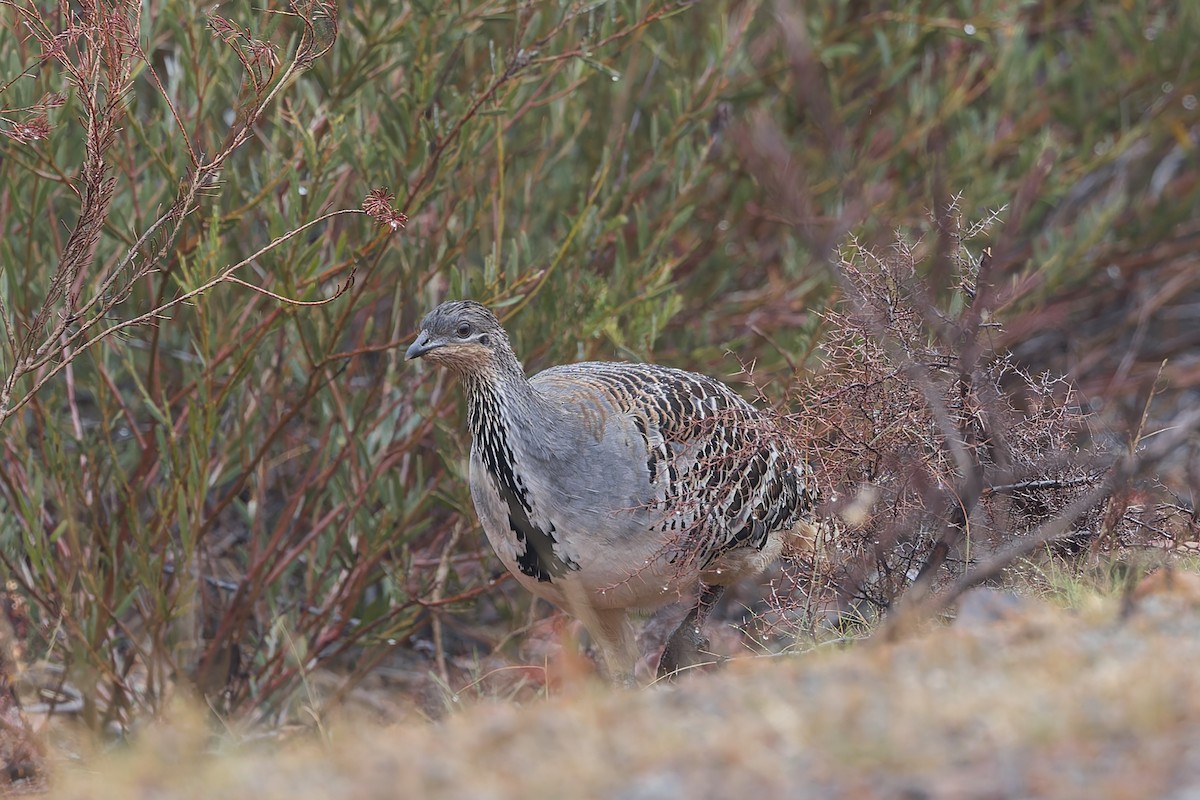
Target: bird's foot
[{"x": 687, "y": 648}]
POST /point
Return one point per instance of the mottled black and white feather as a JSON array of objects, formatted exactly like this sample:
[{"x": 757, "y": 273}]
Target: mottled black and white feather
[{"x": 722, "y": 473}]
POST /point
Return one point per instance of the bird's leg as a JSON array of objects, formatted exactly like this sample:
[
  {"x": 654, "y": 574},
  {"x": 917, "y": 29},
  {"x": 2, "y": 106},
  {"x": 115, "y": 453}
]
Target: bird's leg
[
  {"x": 688, "y": 645},
  {"x": 612, "y": 632}
]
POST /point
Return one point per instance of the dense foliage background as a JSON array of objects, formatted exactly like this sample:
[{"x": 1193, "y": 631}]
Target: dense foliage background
[{"x": 252, "y": 483}]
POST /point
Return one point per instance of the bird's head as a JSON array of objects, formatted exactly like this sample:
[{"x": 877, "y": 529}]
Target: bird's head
[{"x": 462, "y": 335}]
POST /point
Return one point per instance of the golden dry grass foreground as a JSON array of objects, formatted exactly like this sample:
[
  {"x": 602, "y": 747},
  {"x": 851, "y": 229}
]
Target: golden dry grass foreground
[{"x": 1013, "y": 699}]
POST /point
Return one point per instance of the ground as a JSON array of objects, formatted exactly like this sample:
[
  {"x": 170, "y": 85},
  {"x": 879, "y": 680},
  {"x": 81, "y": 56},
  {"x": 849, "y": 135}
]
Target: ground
[{"x": 1016, "y": 697}]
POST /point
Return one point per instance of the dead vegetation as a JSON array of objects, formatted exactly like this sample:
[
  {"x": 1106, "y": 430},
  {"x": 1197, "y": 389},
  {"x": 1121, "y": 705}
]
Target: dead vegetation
[{"x": 936, "y": 450}]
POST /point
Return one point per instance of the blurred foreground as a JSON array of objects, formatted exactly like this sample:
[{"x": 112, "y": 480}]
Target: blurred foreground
[{"x": 1016, "y": 698}]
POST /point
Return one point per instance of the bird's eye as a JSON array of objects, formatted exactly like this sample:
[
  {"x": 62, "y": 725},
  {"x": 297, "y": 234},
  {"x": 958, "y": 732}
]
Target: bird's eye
[{"x": 464, "y": 330}]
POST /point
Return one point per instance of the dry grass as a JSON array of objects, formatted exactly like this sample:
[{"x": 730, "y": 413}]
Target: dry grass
[{"x": 1017, "y": 698}]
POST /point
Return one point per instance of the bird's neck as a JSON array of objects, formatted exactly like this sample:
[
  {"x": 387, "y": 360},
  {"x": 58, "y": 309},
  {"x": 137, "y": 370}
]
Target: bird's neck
[{"x": 499, "y": 397}]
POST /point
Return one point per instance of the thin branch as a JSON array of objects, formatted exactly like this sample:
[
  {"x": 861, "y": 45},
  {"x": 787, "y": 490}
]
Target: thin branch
[
  {"x": 290, "y": 301},
  {"x": 223, "y": 277}
]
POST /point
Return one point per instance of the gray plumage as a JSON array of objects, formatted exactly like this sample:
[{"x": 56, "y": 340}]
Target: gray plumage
[{"x": 605, "y": 487}]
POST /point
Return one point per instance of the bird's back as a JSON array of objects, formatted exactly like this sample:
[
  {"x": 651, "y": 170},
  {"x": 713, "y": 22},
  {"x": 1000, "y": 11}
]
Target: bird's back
[{"x": 705, "y": 471}]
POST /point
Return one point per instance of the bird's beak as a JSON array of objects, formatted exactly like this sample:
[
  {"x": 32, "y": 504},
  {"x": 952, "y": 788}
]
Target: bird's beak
[{"x": 420, "y": 347}]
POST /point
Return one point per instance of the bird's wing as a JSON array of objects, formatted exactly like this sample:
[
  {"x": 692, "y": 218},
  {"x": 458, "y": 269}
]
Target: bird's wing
[{"x": 720, "y": 473}]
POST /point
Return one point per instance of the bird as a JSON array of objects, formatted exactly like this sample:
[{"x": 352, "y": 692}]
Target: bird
[{"x": 609, "y": 488}]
